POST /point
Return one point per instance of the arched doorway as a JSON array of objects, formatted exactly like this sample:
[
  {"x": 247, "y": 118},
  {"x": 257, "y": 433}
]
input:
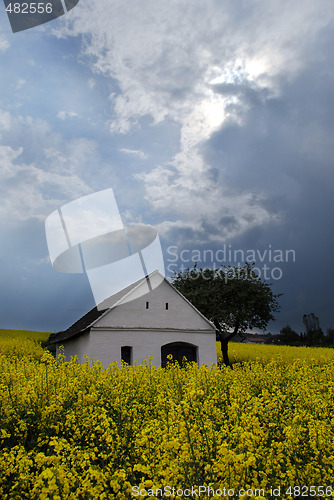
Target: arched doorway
[{"x": 178, "y": 350}]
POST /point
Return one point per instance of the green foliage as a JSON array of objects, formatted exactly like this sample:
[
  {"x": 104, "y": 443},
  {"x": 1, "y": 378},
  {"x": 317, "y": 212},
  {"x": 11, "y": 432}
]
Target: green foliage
[
  {"x": 330, "y": 337},
  {"x": 311, "y": 322},
  {"x": 234, "y": 298},
  {"x": 289, "y": 336},
  {"x": 314, "y": 335}
]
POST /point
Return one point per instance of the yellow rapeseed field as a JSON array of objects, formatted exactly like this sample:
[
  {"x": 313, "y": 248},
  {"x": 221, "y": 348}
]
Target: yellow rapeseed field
[
  {"x": 240, "y": 352},
  {"x": 261, "y": 430}
]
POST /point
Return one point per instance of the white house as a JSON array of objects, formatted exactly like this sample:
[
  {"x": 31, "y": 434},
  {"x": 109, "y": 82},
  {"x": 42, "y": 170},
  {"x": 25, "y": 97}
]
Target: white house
[{"x": 137, "y": 324}]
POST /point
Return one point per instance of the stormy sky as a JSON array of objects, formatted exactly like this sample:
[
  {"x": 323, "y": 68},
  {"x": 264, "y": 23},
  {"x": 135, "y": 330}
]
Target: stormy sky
[{"x": 211, "y": 120}]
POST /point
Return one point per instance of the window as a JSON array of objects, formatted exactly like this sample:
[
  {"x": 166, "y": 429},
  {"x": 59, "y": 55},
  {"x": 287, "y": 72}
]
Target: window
[
  {"x": 166, "y": 306},
  {"x": 126, "y": 354},
  {"x": 147, "y": 304}
]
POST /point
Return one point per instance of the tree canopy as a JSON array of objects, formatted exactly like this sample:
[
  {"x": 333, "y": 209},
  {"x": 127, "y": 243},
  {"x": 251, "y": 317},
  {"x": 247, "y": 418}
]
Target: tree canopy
[{"x": 235, "y": 299}]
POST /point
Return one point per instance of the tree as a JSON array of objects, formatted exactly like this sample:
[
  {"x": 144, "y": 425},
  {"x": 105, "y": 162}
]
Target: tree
[
  {"x": 289, "y": 336},
  {"x": 330, "y": 336},
  {"x": 233, "y": 298},
  {"x": 311, "y": 322},
  {"x": 314, "y": 334}
]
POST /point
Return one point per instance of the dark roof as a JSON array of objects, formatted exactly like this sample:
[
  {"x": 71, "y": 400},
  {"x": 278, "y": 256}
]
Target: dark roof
[
  {"x": 83, "y": 324},
  {"x": 78, "y": 328}
]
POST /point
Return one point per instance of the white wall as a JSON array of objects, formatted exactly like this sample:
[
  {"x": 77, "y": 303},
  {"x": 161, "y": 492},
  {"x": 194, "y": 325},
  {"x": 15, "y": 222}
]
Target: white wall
[
  {"x": 105, "y": 345},
  {"x": 78, "y": 346},
  {"x": 180, "y": 313},
  {"x": 146, "y": 330}
]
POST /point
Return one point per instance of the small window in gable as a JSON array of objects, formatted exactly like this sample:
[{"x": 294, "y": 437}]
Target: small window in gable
[
  {"x": 126, "y": 354},
  {"x": 166, "y": 306},
  {"x": 147, "y": 304}
]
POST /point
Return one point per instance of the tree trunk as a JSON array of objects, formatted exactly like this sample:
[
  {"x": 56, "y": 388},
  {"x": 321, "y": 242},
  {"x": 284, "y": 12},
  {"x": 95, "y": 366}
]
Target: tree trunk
[
  {"x": 225, "y": 340},
  {"x": 223, "y": 343},
  {"x": 224, "y": 348}
]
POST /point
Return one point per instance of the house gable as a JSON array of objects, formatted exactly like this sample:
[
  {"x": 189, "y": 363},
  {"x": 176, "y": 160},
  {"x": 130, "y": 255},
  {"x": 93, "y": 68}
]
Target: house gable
[
  {"x": 161, "y": 308},
  {"x": 150, "y": 318},
  {"x": 151, "y": 304}
]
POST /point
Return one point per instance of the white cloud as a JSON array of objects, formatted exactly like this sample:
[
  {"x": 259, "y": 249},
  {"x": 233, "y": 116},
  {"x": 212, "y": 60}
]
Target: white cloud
[
  {"x": 4, "y": 44},
  {"x": 5, "y": 120},
  {"x": 20, "y": 83},
  {"x": 30, "y": 191},
  {"x": 191, "y": 204},
  {"x": 134, "y": 152},
  {"x": 44, "y": 171},
  {"x": 167, "y": 59},
  {"x": 63, "y": 115},
  {"x": 163, "y": 55}
]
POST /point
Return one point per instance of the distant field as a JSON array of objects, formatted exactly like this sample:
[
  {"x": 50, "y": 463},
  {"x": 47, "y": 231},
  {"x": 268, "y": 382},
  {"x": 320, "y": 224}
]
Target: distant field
[
  {"x": 17, "y": 344},
  {"x": 27, "y": 334},
  {"x": 240, "y": 352}
]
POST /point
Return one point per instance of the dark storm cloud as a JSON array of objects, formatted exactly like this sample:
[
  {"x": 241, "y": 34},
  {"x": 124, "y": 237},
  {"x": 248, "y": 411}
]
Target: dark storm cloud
[{"x": 285, "y": 150}]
